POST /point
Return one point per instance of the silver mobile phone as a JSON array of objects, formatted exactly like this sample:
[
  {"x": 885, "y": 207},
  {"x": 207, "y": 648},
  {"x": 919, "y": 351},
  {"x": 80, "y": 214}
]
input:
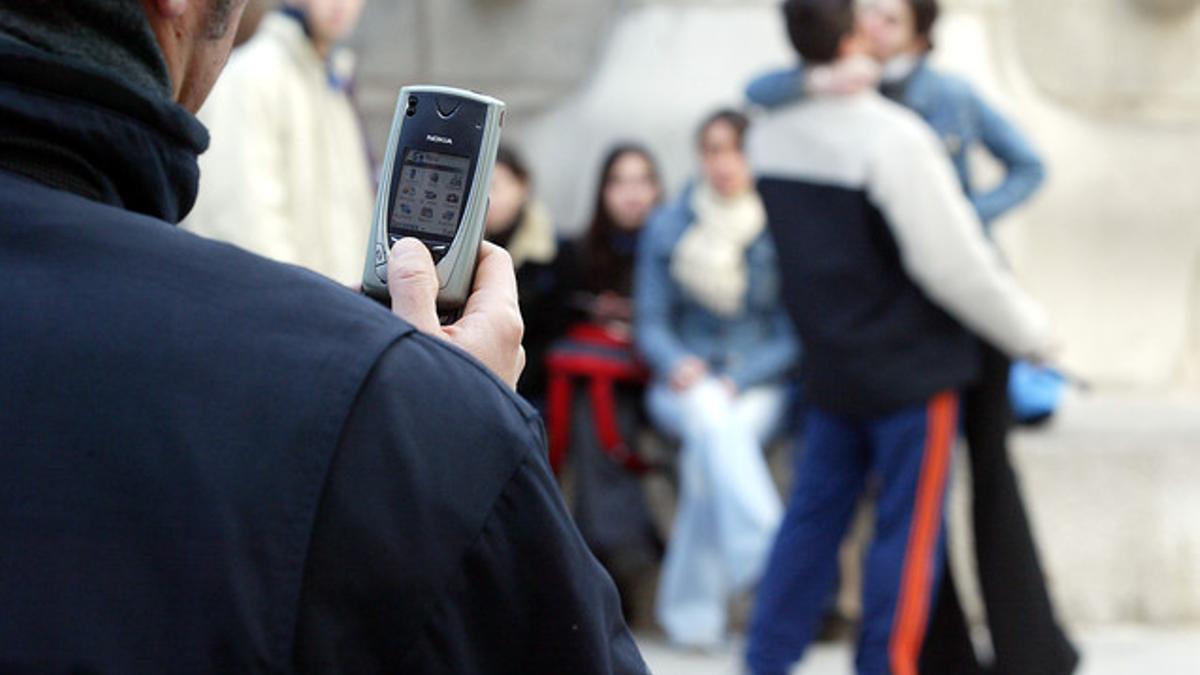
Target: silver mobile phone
[{"x": 434, "y": 186}]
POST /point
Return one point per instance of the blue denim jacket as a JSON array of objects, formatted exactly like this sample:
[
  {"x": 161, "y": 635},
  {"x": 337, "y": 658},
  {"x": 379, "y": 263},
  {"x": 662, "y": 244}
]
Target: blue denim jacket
[
  {"x": 758, "y": 347},
  {"x": 959, "y": 117}
]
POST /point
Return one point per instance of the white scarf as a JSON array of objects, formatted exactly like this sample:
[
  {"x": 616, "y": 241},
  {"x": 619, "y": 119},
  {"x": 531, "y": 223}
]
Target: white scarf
[
  {"x": 900, "y": 67},
  {"x": 709, "y": 261}
]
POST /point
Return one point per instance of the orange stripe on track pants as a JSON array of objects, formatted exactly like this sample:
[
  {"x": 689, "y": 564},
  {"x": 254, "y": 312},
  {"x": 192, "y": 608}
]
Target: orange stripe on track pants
[{"x": 912, "y": 607}]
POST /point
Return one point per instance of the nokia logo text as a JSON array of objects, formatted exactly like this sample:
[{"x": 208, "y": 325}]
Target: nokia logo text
[{"x": 439, "y": 139}]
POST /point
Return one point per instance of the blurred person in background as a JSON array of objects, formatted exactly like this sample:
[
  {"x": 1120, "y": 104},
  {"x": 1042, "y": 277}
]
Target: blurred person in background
[
  {"x": 251, "y": 18},
  {"x": 887, "y": 274},
  {"x": 597, "y": 382},
  {"x": 710, "y": 323},
  {"x": 1026, "y": 636},
  {"x": 521, "y": 225},
  {"x": 287, "y": 175},
  {"x": 630, "y": 190},
  {"x": 899, "y": 34}
]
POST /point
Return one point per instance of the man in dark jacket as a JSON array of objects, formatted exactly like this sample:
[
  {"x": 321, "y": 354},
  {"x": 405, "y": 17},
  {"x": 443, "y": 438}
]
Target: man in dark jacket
[{"x": 213, "y": 463}]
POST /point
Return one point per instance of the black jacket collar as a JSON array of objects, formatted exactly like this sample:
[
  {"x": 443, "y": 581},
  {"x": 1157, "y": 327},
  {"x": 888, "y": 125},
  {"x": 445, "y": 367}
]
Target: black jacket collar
[{"x": 89, "y": 133}]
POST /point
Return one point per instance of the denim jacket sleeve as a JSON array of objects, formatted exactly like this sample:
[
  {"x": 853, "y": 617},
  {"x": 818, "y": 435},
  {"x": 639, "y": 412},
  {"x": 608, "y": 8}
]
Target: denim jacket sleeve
[
  {"x": 655, "y": 295},
  {"x": 1024, "y": 170},
  {"x": 777, "y": 87},
  {"x": 771, "y": 360}
]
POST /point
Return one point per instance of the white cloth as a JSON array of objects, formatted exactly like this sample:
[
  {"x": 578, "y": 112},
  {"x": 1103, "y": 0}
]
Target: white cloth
[
  {"x": 286, "y": 175},
  {"x": 709, "y": 262},
  {"x": 534, "y": 240},
  {"x": 899, "y": 68},
  {"x": 729, "y": 509}
]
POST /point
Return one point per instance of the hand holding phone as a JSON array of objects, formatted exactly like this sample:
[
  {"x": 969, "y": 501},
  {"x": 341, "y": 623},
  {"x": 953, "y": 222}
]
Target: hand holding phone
[
  {"x": 490, "y": 328},
  {"x": 434, "y": 187}
]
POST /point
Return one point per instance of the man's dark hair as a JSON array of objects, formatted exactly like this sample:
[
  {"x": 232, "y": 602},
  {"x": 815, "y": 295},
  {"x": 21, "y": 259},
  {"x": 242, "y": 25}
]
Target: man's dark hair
[
  {"x": 925, "y": 14},
  {"x": 817, "y": 27},
  {"x": 733, "y": 118}
]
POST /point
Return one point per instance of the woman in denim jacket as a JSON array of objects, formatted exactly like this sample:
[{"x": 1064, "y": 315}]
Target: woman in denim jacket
[
  {"x": 948, "y": 104},
  {"x": 709, "y": 323},
  {"x": 1026, "y": 637}
]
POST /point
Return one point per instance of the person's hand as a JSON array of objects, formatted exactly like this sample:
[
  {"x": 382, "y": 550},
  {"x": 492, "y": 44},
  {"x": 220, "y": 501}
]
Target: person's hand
[
  {"x": 847, "y": 76},
  {"x": 620, "y": 330},
  {"x": 688, "y": 373},
  {"x": 1049, "y": 356},
  {"x": 609, "y": 306},
  {"x": 491, "y": 327}
]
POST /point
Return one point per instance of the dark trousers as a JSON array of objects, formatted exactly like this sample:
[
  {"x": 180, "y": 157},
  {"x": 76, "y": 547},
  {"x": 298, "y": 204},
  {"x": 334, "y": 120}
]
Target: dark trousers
[
  {"x": 908, "y": 453},
  {"x": 1026, "y": 636}
]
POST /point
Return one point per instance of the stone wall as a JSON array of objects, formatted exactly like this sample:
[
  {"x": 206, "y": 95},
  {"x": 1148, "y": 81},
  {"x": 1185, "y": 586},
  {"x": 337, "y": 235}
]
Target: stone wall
[
  {"x": 1131, "y": 59},
  {"x": 530, "y": 53},
  {"x": 1110, "y": 93}
]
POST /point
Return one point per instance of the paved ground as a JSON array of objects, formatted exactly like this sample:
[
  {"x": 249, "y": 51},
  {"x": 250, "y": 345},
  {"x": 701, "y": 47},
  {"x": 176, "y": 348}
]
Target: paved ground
[{"x": 1109, "y": 651}]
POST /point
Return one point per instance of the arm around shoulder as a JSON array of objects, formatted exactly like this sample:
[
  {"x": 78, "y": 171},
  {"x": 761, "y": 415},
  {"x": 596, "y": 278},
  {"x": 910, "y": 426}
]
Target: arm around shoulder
[{"x": 777, "y": 87}]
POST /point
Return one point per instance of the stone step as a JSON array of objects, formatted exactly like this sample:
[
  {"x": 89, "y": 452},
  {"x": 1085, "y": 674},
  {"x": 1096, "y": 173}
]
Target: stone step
[
  {"x": 1107, "y": 650},
  {"x": 1113, "y": 485}
]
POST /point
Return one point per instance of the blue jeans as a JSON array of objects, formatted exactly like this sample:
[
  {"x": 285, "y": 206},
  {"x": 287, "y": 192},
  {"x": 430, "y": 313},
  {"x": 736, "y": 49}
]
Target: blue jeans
[
  {"x": 729, "y": 509},
  {"x": 908, "y": 454}
]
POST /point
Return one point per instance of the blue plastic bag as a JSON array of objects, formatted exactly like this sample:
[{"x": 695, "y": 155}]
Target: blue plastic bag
[{"x": 1035, "y": 392}]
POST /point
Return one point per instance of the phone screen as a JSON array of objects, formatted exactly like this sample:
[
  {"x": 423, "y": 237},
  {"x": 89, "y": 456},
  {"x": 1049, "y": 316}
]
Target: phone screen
[{"x": 429, "y": 195}]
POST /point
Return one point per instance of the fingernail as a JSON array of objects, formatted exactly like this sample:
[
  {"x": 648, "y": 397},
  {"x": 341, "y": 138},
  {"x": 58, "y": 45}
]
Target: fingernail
[{"x": 411, "y": 243}]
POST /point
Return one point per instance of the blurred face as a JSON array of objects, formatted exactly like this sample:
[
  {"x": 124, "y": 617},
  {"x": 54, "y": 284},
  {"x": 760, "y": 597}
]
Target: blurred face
[
  {"x": 331, "y": 20},
  {"x": 508, "y": 197},
  {"x": 889, "y": 29},
  {"x": 631, "y": 191},
  {"x": 724, "y": 165}
]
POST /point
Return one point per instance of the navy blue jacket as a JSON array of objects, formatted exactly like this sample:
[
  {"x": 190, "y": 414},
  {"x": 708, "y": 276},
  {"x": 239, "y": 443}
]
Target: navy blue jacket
[{"x": 213, "y": 463}]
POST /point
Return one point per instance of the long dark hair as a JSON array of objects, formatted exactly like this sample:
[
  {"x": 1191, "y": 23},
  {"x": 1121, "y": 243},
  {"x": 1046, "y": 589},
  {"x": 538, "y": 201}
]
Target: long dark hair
[
  {"x": 925, "y": 15},
  {"x": 606, "y": 268}
]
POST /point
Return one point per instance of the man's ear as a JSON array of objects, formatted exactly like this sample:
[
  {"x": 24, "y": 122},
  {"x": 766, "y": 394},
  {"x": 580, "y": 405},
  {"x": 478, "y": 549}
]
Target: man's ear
[{"x": 168, "y": 9}]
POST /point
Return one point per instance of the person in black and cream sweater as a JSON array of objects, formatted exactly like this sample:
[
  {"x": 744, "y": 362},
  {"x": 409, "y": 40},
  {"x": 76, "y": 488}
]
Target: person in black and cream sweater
[{"x": 886, "y": 274}]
